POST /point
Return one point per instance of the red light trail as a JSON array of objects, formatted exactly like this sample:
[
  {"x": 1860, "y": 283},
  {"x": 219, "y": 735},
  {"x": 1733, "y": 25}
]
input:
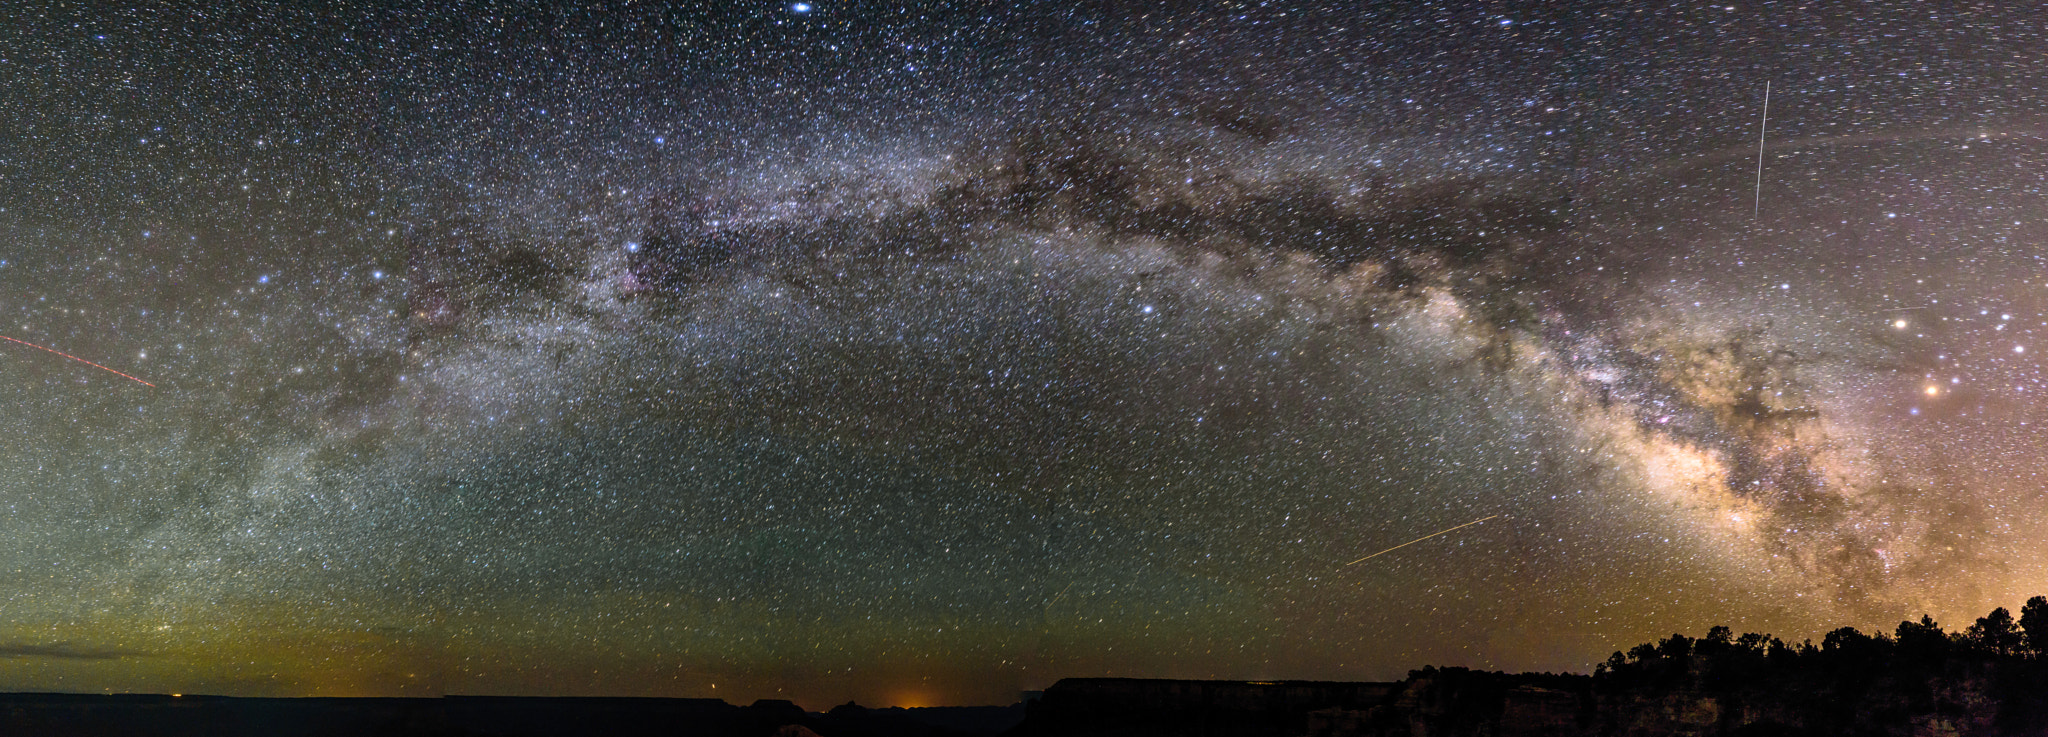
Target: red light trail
[{"x": 80, "y": 360}]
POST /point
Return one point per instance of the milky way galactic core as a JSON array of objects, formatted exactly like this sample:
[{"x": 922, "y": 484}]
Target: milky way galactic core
[{"x": 923, "y": 353}]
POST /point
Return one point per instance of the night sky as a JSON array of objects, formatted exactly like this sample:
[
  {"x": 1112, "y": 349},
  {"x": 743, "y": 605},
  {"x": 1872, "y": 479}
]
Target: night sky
[{"x": 920, "y": 353}]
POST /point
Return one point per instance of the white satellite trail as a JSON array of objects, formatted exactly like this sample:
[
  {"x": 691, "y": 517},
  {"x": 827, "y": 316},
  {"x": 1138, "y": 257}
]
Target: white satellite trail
[{"x": 1761, "y": 126}]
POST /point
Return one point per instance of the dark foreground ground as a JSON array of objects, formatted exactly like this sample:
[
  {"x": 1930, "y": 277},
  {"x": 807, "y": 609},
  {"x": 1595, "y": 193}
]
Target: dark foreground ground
[
  {"x": 1991, "y": 680},
  {"x": 1919, "y": 683},
  {"x": 476, "y": 716},
  {"x": 1430, "y": 703}
]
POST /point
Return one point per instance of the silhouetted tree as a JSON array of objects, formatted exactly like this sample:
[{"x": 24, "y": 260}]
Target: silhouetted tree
[
  {"x": 1779, "y": 652},
  {"x": 1719, "y": 640},
  {"x": 1675, "y": 646},
  {"x": 2034, "y": 624},
  {"x": 1996, "y": 633},
  {"x": 1845, "y": 639},
  {"x": 1922, "y": 640},
  {"x": 1753, "y": 642}
]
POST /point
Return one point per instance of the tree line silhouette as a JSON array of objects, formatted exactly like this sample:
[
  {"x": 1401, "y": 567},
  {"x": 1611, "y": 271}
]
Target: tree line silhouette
[
  {"x": 1993, "y": 673},
  {"x": 1994, "y": 635}
]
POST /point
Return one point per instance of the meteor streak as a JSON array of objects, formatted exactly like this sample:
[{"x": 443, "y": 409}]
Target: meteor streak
[
  {"x": 1419, "y": 539},
  {"x": 80, "y": 360}
]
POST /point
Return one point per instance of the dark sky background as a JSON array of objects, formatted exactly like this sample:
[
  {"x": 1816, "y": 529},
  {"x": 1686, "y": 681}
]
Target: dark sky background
[{"x": 920, "y": 353}]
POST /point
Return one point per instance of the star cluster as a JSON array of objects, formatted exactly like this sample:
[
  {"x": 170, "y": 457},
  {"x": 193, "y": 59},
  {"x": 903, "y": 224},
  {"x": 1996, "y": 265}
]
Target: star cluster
[{"x": 922, "y": 353}]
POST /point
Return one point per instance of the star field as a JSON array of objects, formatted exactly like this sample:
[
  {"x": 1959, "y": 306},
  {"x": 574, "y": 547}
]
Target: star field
[{"x": 923, "y": 353}]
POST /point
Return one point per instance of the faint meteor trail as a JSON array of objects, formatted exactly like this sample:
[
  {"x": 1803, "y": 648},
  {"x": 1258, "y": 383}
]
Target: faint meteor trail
[
  {"x": 1419, "y": 539},
  {"x": 80, "y": 360}
]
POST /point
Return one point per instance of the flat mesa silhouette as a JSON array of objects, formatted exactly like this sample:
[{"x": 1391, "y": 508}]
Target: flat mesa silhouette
[{"x": 1990, "y": 678}]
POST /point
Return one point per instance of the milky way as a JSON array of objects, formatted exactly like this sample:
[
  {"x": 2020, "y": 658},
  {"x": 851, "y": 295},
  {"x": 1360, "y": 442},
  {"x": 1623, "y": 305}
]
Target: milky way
[{"x": 925, "y": 355}]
